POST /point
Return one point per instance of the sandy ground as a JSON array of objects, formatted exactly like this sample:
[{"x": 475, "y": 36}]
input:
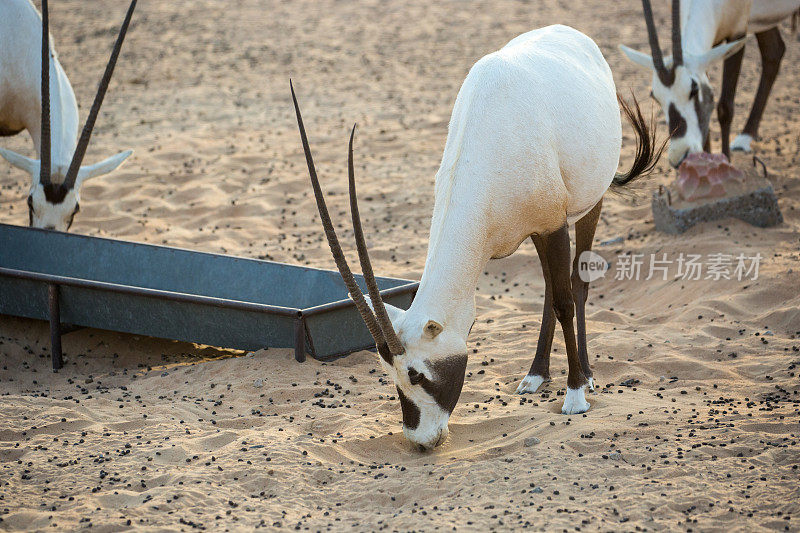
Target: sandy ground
[{"x": 695, "y": 422}]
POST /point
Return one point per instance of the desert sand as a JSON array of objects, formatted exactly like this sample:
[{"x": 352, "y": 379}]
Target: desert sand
[{"x": 694, "y": 425}]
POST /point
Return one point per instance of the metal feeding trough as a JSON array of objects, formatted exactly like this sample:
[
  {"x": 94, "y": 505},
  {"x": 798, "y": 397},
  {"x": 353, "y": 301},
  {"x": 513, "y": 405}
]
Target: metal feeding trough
[{"x": 232, "y": 302}]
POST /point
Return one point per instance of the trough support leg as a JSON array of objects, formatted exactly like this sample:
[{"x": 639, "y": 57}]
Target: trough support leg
[
  {"x": 299, "y": 339},
  {"x": 55, "y": 327}
]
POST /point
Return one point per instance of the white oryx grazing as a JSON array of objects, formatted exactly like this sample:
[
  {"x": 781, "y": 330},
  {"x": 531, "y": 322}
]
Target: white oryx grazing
[
  {"x": 533, "y": 145},
  {"x": 28, "y": 100},
  {"x": 703, "y": 32}
]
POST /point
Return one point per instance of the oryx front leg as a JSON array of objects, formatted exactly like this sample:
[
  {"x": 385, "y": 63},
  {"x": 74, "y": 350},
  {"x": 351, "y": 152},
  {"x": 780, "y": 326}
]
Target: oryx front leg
[
  {"x": 730, "y": 77},
  {"x": 772, "y": 49},
  {"x": 557, "y": 250}
]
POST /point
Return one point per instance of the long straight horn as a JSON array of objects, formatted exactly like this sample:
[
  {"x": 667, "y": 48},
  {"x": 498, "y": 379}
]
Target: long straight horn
[
  {"x": 336, "y": 249},
  {"x": 395, "y": 346},
  {"x": 677, "y": 46},
  {"x": 44, "y": 139},
  {"x": 86, "y": 134},
  {"x": 664, "y": 75}
]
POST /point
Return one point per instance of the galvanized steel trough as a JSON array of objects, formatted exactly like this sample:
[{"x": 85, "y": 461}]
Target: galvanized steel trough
[{"x": 75, "y": 280}]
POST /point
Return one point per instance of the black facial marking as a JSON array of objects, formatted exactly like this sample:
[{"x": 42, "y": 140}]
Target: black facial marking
[
  {"x": 55, "y": 192},
  {"x": 449, "y": 374},
  {"x": 669, "y": 79},
  {"x": 693, "y": 90},
  {"x": 415, "y": 377},
  {"x": 704, "y": 109},
  {"x": 410, "y": 411},
  {"x": 677, "y": 124},
  {"x": 72, "y": 216}
]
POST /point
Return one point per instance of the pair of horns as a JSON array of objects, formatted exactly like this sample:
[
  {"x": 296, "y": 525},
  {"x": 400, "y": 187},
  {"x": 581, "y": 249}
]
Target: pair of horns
[
  {"x": 666, "y": 76},
  {"x": 86, "y": 134},
  {"x": 378, "y": 323}
]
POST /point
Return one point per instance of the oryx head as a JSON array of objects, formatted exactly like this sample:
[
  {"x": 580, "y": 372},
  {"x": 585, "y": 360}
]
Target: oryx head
[
  {"x": 54, "y": 196},
  {"x": 426, "y": 360},
  {"x": 680, "y": 85}
]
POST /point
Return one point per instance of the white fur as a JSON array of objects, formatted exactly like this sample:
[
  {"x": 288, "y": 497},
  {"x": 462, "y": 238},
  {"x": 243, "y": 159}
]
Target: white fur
[
  {"x": 530, "y": 384},
  {"x": 742, "y": 143},
  {"x": 704, "y": 24},
  {"x": 534, "y": 142},
  {"x": 575, "y": 402},
  {"x": 20, "y": 108}
]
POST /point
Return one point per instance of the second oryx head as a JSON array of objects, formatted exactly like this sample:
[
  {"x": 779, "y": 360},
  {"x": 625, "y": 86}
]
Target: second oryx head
[
  {"x": 57, "y": 176},
  {"x": 426, "y": 361},
  {"x": 680, "y": 85}
]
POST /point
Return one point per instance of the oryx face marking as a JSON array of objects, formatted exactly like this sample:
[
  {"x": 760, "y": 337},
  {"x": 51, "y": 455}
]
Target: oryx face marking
[
  {"x": 52, "y": 206},
  {"x": 687, "y": 104},
  {"x": 428, "y": 384},
  {"x": 410, "y": 411}
]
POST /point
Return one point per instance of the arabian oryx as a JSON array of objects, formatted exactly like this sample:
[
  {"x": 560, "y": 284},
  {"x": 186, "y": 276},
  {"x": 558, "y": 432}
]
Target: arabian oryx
[
  {"x": 49, "y": 112},
  {"x": 533, "y": 145},
  {"x": 703, "y": 32}
]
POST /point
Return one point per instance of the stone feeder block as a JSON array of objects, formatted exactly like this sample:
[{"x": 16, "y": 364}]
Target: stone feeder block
[{"x": 750, "y": 197}]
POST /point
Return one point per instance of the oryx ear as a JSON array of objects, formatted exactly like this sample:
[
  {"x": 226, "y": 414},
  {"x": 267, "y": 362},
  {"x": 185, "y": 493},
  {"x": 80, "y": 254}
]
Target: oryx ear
[
  {"x": 103, "y": 167},
  {"x": 718, "y": 53},
  {"x": 395, "y": 313},
  {"x": 641, "y": 59},
  {"x": 432, "y": 329},
  {"x": 31, "y": 166}
]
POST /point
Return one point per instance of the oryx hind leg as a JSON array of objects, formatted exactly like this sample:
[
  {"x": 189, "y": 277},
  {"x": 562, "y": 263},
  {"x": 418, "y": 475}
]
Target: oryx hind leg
[
  {"x": 557, "y": 251},
  {"x": 725, "y": 107},
  {"x": 584, "y": 235}
]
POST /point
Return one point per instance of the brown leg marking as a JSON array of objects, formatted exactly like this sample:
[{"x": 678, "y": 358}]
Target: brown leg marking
[
  {"x": 541, "y": 361},
  {"x": 772, "y": 48},
  {"x": 730, "y": 77},
  {"x": 584, "y": 235}
]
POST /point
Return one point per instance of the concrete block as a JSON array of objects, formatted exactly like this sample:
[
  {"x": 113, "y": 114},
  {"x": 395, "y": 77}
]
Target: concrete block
[{"x": 753, "y": 201}]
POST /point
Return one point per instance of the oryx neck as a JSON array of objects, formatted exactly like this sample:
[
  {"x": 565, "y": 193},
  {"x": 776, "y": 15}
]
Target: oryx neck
[{"x": 456, "y": 257}]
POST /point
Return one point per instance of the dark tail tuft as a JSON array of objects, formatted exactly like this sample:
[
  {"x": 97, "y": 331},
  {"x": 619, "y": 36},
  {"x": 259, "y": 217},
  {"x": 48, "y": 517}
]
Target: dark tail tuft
[{"x": 648, "y": 150}]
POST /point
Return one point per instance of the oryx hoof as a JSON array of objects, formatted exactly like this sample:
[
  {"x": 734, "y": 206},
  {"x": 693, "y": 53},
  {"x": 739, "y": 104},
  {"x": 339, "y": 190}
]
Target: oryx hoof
[
  {"x": 575, "y": 402},
  {"x": 530, "y": 384}
]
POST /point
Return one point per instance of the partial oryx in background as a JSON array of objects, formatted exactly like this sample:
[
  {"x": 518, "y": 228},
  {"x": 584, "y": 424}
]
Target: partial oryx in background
[
  {"x": 533, "y": 145},
  {"x": 49, "y": 112},
  {"x": 705, "y": 31}
]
